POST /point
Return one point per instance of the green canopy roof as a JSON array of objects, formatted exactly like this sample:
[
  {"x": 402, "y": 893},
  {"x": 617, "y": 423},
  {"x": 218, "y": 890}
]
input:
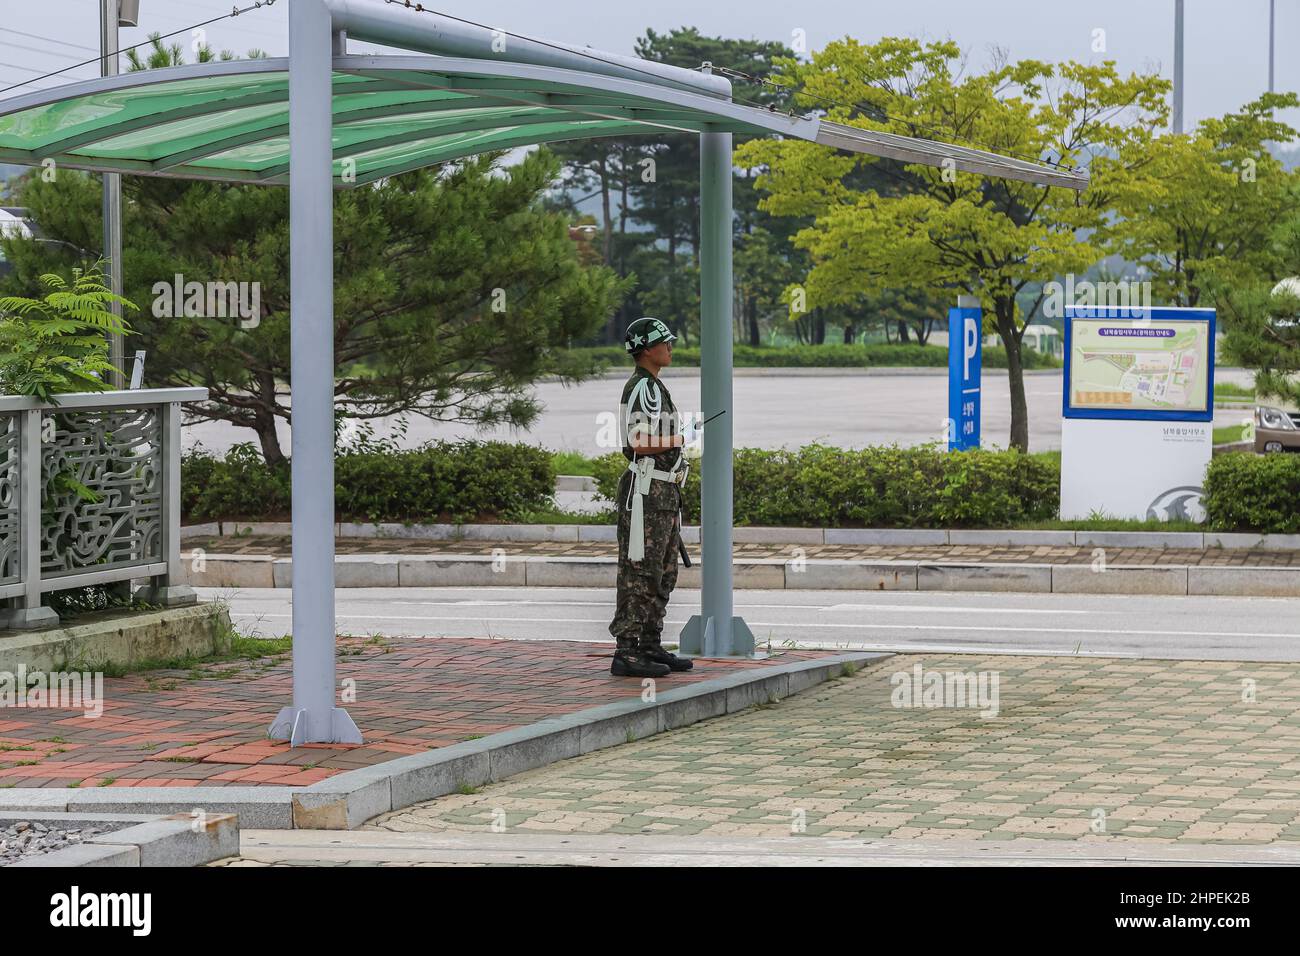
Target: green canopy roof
[{"x": 230, "y": 120}]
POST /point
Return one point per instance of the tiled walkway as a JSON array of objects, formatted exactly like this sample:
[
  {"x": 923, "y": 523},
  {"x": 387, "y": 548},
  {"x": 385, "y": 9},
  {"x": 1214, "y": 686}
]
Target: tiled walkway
[
  {"x": 953, "y": 554},
  {"x": 208, "y": 725},
  {"x": 1080, "y": 749}
]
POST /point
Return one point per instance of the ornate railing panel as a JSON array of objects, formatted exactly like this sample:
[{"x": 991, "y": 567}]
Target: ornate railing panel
[
  {"x": 90, "y": 494},
  {"x": 9, "y": 523},
  {"x": 101, "y": 477}
]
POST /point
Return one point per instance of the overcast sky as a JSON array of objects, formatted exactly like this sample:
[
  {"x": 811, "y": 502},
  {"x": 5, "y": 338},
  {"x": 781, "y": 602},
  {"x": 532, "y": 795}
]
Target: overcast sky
[{"x": 1226, "y": 43}]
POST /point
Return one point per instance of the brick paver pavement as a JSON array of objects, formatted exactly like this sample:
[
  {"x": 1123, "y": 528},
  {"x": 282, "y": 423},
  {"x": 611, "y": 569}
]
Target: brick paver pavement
[
  {"x": 952, "y": 554},
  {"x": 1080, "y": 749},
  {"x": 207, "y": 725}
]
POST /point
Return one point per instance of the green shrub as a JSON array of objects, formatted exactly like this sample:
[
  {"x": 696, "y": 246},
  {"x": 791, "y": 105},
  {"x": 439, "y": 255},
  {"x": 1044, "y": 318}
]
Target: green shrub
[
  {"x": 1245, "y": 492},
  {"x": 814, "y": 486},
  {"x": 457, "y": 481},
  {"x": 878, "y": 487},
  {"x": 240, "y": 485}
]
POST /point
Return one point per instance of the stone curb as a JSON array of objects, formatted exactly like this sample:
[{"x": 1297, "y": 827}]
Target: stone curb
[
  {"x": 775, "y": 574},
  {"x": 764, "y": 535},
  {"x": 190, "y": 630},
  {"x": 349, "y": 799},
  {"x": 181, "y": 839}
]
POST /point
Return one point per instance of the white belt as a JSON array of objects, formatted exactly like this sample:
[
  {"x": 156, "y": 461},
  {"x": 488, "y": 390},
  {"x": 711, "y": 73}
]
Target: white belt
[{"x": 645, "y": 472}]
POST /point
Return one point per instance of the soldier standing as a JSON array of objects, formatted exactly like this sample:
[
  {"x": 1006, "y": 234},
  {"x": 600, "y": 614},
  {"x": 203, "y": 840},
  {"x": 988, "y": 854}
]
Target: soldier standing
[{"x": 649, "y": 506}]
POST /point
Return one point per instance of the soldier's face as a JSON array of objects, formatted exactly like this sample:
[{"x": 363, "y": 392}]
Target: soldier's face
[{"x": 661, "y": 354}]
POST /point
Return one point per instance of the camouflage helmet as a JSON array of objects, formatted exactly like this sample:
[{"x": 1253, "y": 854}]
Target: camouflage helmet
[{"x": 644, "y": 333}]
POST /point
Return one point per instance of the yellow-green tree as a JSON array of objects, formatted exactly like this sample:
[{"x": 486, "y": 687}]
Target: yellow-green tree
[
  {"x": 1190, "y": 208},
  {"x": 943, "y": 229}
]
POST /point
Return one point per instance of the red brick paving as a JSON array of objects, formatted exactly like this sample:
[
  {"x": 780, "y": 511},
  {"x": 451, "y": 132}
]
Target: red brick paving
[{"x": 180, "y": 729}]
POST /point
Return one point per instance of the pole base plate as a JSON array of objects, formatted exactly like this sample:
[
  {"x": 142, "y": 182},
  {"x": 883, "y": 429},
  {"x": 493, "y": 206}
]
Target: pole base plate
[
  {"x": 701, "y": 638},
  {"x": 297, "y": 726}
]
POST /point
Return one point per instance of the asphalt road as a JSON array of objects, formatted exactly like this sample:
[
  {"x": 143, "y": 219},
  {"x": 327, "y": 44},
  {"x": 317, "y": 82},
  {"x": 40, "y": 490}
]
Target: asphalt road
[
  {"x": 1196, "y": 628},
  {"x": 772, "y": 410}
]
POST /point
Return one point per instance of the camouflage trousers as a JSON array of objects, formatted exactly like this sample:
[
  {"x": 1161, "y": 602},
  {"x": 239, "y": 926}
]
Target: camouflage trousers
[{"x": 644, "y": 586}]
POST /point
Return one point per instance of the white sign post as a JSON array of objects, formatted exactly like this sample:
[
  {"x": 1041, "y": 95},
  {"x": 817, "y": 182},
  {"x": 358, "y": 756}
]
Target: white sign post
[{"x": 1138, "y": 411}]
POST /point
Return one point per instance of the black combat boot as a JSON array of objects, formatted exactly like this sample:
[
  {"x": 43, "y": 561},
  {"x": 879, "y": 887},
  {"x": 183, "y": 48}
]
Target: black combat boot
[
  {"x": 654, "y": 651},
  {"x": 633, "y": 663}
]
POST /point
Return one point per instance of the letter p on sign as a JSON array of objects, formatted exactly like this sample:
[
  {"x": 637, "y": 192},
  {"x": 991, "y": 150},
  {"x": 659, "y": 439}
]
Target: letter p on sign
[{"x": 970, "y": 340}]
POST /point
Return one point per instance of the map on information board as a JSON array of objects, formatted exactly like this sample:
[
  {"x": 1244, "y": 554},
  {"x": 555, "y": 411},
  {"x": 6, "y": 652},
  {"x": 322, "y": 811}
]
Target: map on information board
[{"x": 1128, "y": 365}]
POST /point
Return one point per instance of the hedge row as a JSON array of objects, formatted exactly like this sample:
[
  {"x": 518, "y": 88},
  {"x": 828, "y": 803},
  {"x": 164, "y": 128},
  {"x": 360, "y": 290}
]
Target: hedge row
[
  {"x": 836, "y": 355},
  {"x": 456, "y": 481},
  {"x": 815, "y": 486},
  {"x": 1245, "y": 492},
  {"x": 878, "y": 487}
]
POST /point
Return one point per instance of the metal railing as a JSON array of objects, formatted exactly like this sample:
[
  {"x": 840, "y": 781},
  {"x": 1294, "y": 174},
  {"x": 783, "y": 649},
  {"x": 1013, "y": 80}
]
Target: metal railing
[{"x": 90, "y": 495}]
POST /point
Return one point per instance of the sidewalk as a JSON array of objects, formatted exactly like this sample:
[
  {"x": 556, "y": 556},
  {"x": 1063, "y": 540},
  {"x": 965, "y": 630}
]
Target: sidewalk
[
  {"x": 207, "y": 725},
  {"x": 1084, "y": 750}
]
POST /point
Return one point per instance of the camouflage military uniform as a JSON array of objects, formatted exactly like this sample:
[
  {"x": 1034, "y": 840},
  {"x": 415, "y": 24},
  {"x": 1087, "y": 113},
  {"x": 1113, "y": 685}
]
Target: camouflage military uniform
[{"x": 645, "y": 586}]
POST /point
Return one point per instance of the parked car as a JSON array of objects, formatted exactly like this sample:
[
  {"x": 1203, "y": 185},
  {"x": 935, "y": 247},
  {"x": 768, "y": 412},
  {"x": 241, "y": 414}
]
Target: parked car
[{"x": 1276, "y": 430}]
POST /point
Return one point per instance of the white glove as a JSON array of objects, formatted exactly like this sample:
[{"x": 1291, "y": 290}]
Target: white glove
[
  {"x": 693, "y": 452},
  {"x": 692, "y": 431}
]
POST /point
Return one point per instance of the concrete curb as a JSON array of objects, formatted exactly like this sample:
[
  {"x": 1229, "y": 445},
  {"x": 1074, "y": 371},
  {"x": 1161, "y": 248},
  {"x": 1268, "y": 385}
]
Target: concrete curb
[
  {"x": 181, "y": 839},
  {"x": 521, "y": 848},
  {"x": 766, "y": 535},
  {"x": 349, "y": 799},
  {"x": 193, "y": 630},
  {"x": 773, "y": 574}
]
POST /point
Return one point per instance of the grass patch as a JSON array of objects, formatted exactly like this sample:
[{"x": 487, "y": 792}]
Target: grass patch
[
  {"x": 1233, "y": 390},
  {"x": 1102, "y": 523},
  {"x": 242, "y": 649},
  {"x": 556, "y": 516},
  {"x": 1229, "y": 434},
  {"x": 250, "y": 648},
  {"x": 573, "y": 463}
]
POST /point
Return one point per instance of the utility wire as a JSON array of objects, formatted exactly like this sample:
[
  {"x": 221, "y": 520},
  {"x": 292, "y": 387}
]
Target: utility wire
[
  {"x": 35, "y": 49},
  {"x": 257, "y": 5},
  {"x": 25, "y": 69},
  {"x": 37, "y": 36},
  {"x": 421, "y": 8}
]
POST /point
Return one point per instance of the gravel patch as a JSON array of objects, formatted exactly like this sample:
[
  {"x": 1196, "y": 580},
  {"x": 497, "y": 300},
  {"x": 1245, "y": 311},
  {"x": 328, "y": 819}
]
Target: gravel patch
[{"x": 24, "y": 838}]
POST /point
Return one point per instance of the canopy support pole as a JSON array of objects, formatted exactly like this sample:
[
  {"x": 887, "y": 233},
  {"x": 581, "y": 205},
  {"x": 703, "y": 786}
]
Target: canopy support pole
[
  {"x": 313, "y": 718},
  {"x": 715, "y": 632}
]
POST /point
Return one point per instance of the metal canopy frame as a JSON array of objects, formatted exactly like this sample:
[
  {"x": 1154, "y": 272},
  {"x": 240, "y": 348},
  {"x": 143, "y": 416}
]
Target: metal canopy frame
[{"x": 321, "y": 119}]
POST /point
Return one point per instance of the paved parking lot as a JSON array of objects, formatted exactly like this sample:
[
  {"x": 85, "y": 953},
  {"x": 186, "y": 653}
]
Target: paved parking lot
[{"x": 773, "y": 409}]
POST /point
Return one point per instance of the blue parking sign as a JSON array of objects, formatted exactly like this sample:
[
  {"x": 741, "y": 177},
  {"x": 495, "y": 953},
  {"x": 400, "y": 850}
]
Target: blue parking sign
[{"x": 965, "y": 344}]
